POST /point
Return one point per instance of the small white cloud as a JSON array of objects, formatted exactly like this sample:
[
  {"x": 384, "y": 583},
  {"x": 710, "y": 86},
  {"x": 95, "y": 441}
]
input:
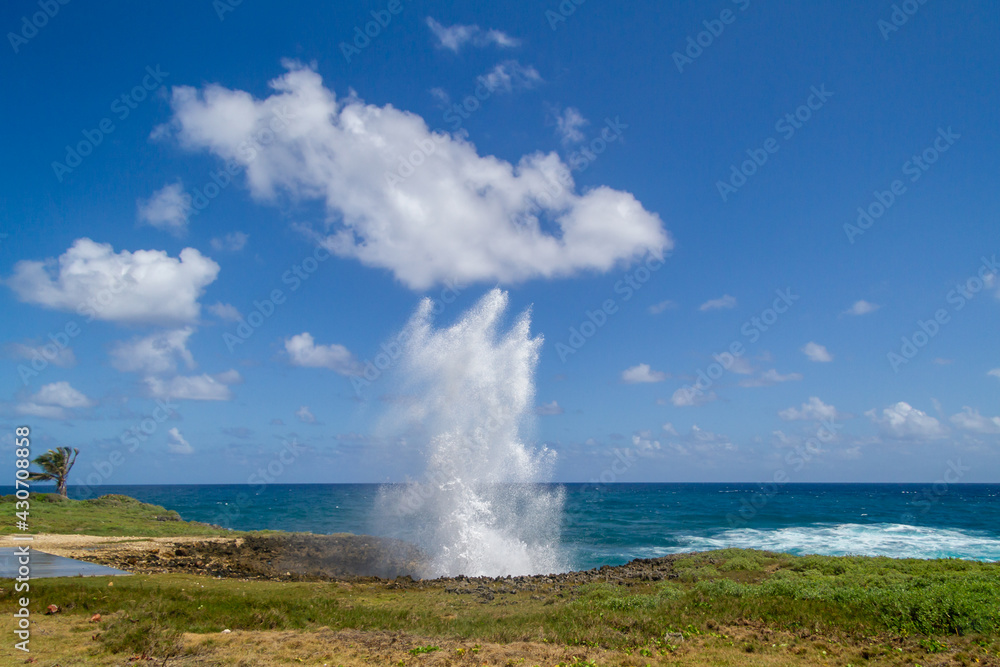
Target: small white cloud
[
  {"x": 145, "y": 286},
  {"x": 769, "y": 378},
  {"x": 552, "y": 408},
  {"x": 642, "y": 373},
  {"x": 232, "y": 376},
  {"x": 970, "y": 420},
  {"x": 658, "y": 308},
  {"x": 862, "y": 307},
  {"x": 191, "y": 388},
  {"x": 995, "y": 372},
  {"x": 738, "y": 365},
  {"x": 568, "y": 125},
  {"x": 305, "y": 415},
  {"x": 167, "y": 210},
  {"x": 813, "y": 410},
  {"x": 225, "y": 311},
  {"x": 455, "y": 37},
  {"x": 687, "y": 397},
  {"x": 177, "y": 444},
  {"x": 723, "y": 302},
  {"x": 816, "y": 352},
  {"x": 47, "y": 352},
  {"x": 153, "y": 354},
  {"x": 53, "y": 401},
  {"x": 510, "y": 76},
  {"x": 669, "y": 429},
  {"x": 903, "y": 421},
  {"x": 231, "y": 242},
  {"x": 303, "y": 351}
]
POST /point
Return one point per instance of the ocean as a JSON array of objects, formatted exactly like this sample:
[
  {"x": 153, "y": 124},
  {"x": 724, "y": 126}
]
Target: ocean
[{"x": 613, "y": 524}]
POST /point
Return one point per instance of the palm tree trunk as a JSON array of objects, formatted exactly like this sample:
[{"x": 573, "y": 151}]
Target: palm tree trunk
[{"x": 61, "y": 487}]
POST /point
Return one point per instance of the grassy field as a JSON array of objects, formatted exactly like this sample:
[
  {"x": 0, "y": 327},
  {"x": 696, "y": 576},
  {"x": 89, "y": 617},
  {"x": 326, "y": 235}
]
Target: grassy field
[
  {"x": 107, "y": 515},
  {"x": 729, "y": 607}
]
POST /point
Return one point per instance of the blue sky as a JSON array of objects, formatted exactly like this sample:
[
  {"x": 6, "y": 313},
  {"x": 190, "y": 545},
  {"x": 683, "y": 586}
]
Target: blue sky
[{"x": 737, "y": 140}]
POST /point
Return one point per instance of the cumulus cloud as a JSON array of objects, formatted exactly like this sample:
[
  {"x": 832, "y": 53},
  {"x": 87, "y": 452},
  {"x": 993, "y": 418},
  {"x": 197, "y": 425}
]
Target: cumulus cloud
[
  {"x": 177, "y": 444},
  {"x": 145, "y": 286},
  {"x": 568, "y": 125},
  {"x": 194, "y": 387},
  {"x": 458, "y": 215},
  {"x": 658, "y": 308},
  {"x": 687, "y": 397},
  {"x": 167, "y": 210},
  {"x": 455, "y": 37},
  {"x": 49, "y": 352},
  {"x": 724, "y": 302},
  {"x": 552, "y": 408},
  {"x": 153, "y": 354},
  {"x": 305, "y": 415},
  {"x": 816, "y": 352},
  {"x": 225, "y": 311},
  {"x": 231, "y": 242},
  {"x": 303, "y": 351},
  {"x": 862, "y": 307},
  {"x": 903, "y": 421},
  {"x": 769, "y": 378},
  {"x": 642, "y": 373},
  {"x": 53, "y": 401},
  {"x": 970, "y": 420},
  {"x": 812, "y": 410}
]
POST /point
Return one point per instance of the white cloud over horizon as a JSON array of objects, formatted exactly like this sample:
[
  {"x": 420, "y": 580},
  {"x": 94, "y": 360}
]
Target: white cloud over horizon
[
  {"x": 178, "y": 444},
  {"x": 904, "y": 422}
]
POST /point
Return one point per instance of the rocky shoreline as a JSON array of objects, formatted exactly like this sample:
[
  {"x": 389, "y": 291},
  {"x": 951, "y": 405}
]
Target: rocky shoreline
[{"x": 347, "y": 558}]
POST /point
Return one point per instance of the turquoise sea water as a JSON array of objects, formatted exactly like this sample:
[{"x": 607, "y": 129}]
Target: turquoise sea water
[{"x": 612, "y": 524}]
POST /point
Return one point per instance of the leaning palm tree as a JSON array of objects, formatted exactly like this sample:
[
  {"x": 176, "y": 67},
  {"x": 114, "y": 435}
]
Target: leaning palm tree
[{"x": 55, "y": 464}]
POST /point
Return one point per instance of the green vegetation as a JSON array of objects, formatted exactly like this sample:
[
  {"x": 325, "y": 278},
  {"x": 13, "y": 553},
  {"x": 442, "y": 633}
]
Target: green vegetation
[{"x": 107, "y": 515}]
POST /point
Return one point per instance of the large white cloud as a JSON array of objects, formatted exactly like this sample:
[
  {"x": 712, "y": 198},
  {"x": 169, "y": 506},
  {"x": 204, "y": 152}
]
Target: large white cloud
[
  {"x": 424, "y": 205},
  {"x": 303, "y": 351},
  {"x": 157, "y": 353},
  {"x": 145, "y": 286},
  {"x": 904, "y": 421}
]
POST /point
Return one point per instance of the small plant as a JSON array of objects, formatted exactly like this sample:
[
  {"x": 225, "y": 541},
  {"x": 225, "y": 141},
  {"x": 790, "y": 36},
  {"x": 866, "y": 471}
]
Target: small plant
[
  {"x": 932, "y": 645},
  {"x": 424, "y": 649}
]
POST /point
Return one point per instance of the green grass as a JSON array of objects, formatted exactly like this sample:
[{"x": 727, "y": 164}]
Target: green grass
[
  {"x": 108, "y": 515},
  {"x": 857, "y": 597}
]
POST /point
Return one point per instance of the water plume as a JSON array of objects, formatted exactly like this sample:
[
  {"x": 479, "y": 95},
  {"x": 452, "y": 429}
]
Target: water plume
[{"x": 481, "y": 506}]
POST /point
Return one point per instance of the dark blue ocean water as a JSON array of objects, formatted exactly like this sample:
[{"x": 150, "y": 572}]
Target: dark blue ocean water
[{"x": 612, "y": 524}]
